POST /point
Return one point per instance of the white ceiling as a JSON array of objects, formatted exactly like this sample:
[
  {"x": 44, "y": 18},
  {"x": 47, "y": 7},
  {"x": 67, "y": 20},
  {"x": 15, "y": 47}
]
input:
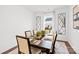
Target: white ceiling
[{"x": 43, "y": 8}]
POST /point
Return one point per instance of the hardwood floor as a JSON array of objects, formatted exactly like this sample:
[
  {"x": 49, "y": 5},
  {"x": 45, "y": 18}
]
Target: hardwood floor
[
  {"x": 68, "y": 46},
  {"x": 70, "y": 49},
  {"x": 62, "y": 47},
  {"x": 9, "y": 50}
]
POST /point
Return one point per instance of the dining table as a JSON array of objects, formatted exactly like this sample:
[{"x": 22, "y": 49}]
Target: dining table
[{"x": 45, "y": 43}]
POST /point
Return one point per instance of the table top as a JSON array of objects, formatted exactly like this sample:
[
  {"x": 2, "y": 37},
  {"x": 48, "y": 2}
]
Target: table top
[{"x": 45, "y": 42}]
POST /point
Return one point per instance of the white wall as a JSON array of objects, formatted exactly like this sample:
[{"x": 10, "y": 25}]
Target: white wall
[
  {"x": 73, "y": 33},
  {"x": 14, "y": 20}
]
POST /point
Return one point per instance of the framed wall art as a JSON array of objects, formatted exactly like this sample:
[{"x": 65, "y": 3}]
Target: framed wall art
[
  {"x": 76, "y": 17},
  {"x": 62, "y": 23}
]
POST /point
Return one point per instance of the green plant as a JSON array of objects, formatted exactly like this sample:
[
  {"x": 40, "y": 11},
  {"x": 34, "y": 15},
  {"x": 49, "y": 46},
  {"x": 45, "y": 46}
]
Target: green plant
[
  {"x": 38, "y": 33},
  {"x": 42, "y": 32}
]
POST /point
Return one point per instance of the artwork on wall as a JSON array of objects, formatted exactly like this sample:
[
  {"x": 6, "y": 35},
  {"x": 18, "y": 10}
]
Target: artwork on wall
[
  {"x": 48, "y": 19},
  {"x": 62, "y": 23},
  {"x": 76, "y": 17},
  {"x": 38, "y": 23}
]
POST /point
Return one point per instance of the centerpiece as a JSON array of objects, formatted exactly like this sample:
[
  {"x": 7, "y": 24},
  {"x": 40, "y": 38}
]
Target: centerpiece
[{"x": 40, "y": 34}]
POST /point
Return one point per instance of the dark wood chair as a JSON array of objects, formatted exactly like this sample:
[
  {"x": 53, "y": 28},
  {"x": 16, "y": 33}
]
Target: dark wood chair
[
  {"x": 28, "y": 34},
  {"x": 52, "y": 50},
  {"x": 34, "y": 32},
  {"x": 53, "y": 44},
  {"x": 24, "y": 46}
]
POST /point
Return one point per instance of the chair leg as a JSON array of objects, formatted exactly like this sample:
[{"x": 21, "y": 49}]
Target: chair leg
[
  {"x": 19, "y": 52},
  {"x": 53, "y": 50},
  {"x": 47, "y": 51},
  {"x": 40, "y": 52}
]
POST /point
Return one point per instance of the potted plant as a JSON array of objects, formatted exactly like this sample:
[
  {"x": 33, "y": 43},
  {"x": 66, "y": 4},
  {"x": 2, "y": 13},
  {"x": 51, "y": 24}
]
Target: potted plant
[
  {"x": 42, "y": 33},
  {"x": 38, "y": 35}
]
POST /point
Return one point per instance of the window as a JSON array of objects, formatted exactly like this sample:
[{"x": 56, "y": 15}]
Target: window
[{"x": 48, "y": 22}]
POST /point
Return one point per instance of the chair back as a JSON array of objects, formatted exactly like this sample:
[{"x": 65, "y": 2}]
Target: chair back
[
  {"x": 34, "y": 32},
  {"x": 23, "y": 45},
  {"x": 28, "y": 34},
  {"x": 53, "y": 44},
  {"x": 55, "y": 39}
]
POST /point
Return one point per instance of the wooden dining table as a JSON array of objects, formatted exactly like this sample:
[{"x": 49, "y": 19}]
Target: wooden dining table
[{"x": 45, "y": 43}]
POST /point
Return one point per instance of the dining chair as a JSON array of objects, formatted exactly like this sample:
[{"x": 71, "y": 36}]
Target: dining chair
[
  {"x": 53, "y": 39},
  {"x": 28, "y": 34},
  {"x": 34, "y": 32},
  {"x": 24, "y": 46},
  {"x": 53, "y": 43}
]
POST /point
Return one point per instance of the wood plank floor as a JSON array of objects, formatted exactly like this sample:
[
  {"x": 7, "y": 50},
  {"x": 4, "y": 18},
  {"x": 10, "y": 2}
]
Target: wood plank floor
[
  {"x": 69, "y": 48},
  {"x": 62, "y": 47}
]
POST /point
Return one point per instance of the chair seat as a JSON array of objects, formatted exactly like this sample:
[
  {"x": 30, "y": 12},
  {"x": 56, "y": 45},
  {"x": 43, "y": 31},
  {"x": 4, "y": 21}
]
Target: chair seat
[{"x": 35, "y": 50}]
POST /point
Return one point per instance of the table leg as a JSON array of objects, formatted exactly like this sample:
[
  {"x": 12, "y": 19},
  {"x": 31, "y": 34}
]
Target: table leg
[{"x": 47, "y": 51}]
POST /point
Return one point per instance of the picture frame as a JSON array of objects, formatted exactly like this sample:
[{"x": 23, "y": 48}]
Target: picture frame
[
  {"x": 76, "y": 17},
  {"x": 62, "y": 23}
]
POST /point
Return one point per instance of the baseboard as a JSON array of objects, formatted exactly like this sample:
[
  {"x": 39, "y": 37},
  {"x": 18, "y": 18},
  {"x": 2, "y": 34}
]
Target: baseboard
[
  {"x": 73, "y": 47},
  {"x": 9, "y": 50}
]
